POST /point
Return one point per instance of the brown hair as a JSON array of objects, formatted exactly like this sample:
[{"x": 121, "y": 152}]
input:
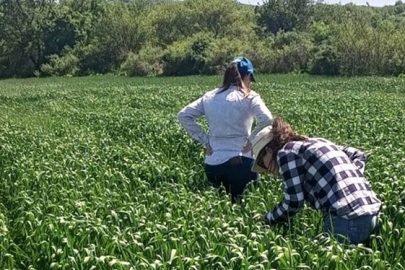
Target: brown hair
[
  {"x": 233, "y": 77},
  {"x": 281, "y": 133}
]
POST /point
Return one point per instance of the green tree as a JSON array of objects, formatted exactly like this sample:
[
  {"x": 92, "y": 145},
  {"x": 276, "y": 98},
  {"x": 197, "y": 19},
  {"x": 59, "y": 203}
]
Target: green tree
[
  {"x": 37, "y": 30},
  {"x": 122, "y": 27},
  {"x": 174, "y": 20},
  {"x": 286, "y": 15},
  {"x": 26, "y": 25},
  {"x": 170, "y": 21},
  {"x": 221, "y": 17}
]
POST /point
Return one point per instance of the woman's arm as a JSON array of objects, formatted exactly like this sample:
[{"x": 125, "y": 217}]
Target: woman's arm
[
  {"x": 292, "y": 172},
  {"x": 187, "y": 117}
]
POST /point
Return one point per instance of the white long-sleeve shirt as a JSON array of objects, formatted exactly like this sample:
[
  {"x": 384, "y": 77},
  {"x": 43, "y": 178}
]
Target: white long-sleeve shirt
[{"x": 230, "y": 118}]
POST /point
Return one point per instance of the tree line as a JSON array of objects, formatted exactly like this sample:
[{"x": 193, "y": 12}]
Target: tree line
[{"x": 151, "y": 38}]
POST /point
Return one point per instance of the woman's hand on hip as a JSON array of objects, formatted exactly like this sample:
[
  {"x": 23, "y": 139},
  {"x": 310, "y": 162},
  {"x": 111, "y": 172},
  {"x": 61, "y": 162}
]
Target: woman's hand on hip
[
  {"x": 208, "y": 149},
  {"x": 247, "y": 147}
]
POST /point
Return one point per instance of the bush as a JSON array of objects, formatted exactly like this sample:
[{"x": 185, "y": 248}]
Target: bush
[
  {"x": 324, "y": 61},
  {"x": 203, "y": 54},
  {"x": 260, "y": 52},
  {"x": 291, "y": 52},
  {"x": 320, "y": 32},
  {"x": 145, "y": 63},
  {"x": 95, "y": 57},
  {"x": 15, "y": 64},
  {"x": 395, "y": 65},
  {"x": 66, "y": 65},
  {"x": 289, "y": 59},
  {"x": 286, "y": 39},
  {"x": 223, "y": 50},
  {"x": 393, "y": 62},
  {"x": 189, "y": 56}
]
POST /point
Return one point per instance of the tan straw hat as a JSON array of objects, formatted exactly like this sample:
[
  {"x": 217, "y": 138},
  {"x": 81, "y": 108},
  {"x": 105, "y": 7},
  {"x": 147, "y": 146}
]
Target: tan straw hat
[{"x": 262, "y": 138}]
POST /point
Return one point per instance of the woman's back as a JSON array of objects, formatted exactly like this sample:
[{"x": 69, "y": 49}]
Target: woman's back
[
  {"x": 230, "y": 117},
  {"x": 229, "y": 113}
]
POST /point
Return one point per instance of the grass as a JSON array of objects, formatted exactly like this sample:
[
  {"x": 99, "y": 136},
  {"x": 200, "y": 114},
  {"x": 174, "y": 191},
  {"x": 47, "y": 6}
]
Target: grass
[{"x": 96, "y": 173}]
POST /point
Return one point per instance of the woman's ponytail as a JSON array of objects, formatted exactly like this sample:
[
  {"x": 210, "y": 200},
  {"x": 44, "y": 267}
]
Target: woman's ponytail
[{"x": 233, "y": 77}]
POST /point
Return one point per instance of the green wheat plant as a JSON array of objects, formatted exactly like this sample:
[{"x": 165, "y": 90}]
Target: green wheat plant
[{"x": 96, "y": 173}]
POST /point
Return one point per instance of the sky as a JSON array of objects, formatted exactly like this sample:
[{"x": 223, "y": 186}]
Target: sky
[{"x": 375, "y": 3}]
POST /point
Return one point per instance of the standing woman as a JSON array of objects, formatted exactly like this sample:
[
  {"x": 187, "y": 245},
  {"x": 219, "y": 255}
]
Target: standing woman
[
  {"x": 230, "y": 111},
  {"x": 327, "y": 176}
]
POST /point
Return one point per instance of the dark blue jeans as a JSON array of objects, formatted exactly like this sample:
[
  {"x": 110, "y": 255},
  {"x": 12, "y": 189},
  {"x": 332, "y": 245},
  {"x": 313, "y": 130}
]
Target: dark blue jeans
[{"x": 234, "y": 175}]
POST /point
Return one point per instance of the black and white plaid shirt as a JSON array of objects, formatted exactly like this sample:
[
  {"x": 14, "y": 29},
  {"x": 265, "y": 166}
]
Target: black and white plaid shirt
[{"x": 327, "y": 176}]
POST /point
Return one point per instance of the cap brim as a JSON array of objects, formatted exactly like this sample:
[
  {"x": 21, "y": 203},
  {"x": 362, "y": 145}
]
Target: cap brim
[{"x": 252, "y": 77}]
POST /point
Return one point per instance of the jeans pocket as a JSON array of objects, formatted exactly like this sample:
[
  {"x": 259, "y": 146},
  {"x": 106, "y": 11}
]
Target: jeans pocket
[
  {"x": 360, "y": 229},
  {"x": 235, "y": 161}
]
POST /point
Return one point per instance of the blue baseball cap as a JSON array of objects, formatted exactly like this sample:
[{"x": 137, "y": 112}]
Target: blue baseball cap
[{"x": 245, "y": 66}]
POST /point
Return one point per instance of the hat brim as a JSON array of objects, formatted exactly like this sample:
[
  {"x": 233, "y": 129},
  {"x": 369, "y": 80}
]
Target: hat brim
[
  {"x": 252, "y": 77},
  {"x": 257, "y": 169},
  {"x": 262, "y": 138}
]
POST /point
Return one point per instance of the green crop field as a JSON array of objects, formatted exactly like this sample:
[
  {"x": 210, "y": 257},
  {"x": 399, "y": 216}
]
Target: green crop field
[{"x": 96, "y": 173}]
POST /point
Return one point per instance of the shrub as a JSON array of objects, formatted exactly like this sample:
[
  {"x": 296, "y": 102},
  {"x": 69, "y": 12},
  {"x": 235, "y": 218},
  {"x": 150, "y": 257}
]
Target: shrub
[
  {"x": 66, "y": 65},
  {"x": 189, "y": 56},
  {"x": 145, "y": 63},
  {"x": 223, "y": 50},
  {"x": 320, "y": 32},
  {"x": 261, "y": 53},
  {"x": 291, "y": 52},
  {"x": 324, "y": 61},
  {"x": 395, "y": 65},
  {"x": 95, "y": 58}
]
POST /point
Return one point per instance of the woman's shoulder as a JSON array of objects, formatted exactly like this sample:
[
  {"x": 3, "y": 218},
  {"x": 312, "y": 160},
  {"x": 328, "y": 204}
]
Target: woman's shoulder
[
  {"x": 211, "y": 93},
  {"x": 299, "y": 146},
  {"x": 293, "y": 146},
  {"x": 253, "y": 94}
]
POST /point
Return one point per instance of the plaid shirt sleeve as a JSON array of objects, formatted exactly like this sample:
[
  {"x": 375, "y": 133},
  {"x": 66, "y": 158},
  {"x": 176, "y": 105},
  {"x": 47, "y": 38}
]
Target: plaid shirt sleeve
[{"x": 292, "y": 172}]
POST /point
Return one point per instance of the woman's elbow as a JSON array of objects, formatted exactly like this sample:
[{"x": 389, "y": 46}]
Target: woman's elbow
[{"x": 181, "y": 115}]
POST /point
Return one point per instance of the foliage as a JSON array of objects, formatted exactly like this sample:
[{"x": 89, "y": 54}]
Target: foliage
[
  {"x": 280, "y": 36},
  {"x": 189, "y": 56},
  {"x": 290, "y": 52},
  {"x": 67, "y": 65},
  {"x": 283, "y": 15},
  {"x": 324, "y": 61},
  {"x": 225, "y": 49},
  {"x": 173, "y": 21},
  {"x": 145, "y": 63},
  {"x": 35, "y": 30},
  {"x": 122, "y": 27},
  {"x": 260, "y": 51}
]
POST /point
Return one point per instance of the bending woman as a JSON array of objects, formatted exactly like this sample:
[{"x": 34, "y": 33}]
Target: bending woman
[{"x": 327, "y": 176}]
